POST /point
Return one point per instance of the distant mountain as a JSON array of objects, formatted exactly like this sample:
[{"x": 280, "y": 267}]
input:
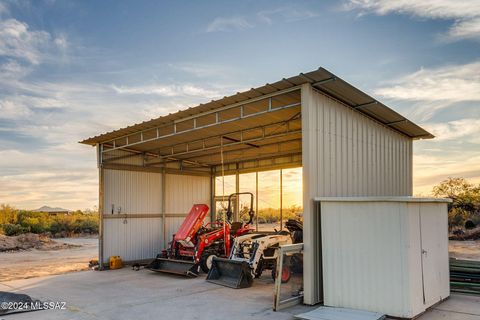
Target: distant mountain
[{"x": 50, "y": 209}]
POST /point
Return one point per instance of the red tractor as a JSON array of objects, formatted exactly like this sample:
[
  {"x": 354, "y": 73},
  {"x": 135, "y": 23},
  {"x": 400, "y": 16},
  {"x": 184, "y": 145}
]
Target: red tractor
[{"x": 194, "y": 245}]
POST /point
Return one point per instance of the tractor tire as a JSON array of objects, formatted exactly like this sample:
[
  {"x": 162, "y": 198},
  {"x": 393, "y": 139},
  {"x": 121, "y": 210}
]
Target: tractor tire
[
  {"x": 286, "y": 269},
  {"x": 206, "y": 262},
  {"x": 286, "y": 273}
]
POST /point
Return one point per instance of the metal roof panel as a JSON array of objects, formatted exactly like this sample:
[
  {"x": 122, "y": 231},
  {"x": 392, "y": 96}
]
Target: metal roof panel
[{"x": 321, "y": 79}]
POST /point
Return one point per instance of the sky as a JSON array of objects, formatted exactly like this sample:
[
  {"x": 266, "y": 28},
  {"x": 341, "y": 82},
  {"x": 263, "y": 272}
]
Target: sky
[{"x": 73, "y": 69}]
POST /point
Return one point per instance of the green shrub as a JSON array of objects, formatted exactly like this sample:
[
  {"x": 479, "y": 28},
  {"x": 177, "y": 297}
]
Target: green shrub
[
  {"x": 465, "y": 200},
  {"x": 13, "y": 222},
  {"x": 36, "y": 225},
  {"x": 61, "y": 225},
  {"x": 89, "y": 226},
  {"x": 14, "y": 229},
  {"x": 8, "y": 214}
]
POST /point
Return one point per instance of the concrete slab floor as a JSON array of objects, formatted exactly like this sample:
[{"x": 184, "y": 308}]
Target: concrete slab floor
[{"x": 127, "y": 294}]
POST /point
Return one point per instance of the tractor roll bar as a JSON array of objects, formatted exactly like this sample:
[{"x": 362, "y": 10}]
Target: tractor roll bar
[{"x": 251, "y": 213}]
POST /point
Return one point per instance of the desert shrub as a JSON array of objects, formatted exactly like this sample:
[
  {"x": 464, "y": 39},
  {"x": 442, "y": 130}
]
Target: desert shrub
[
  {"x": 36, "y": 222},
  {"x": 35, "y": 225},
  {"x": 466, "y": 201},
  {"x": 11, "y": 229},
  {"x": 85, "y": 223},
  {"x": 14, "y": 222},
  {"x": 457, "y": 217},
  {"x": 57, "y": 227},
  {"x": 89, "y": 226},
  {"x": 62, "y": 224},
  {"x": 8, "y": 214},
  {"x": 475, "y": 219},
  {"x": 268, "y": 215}
]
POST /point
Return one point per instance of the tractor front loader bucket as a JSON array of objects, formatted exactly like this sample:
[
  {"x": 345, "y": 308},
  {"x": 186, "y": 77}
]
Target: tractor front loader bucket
[
  {"x": 180, "y": 267},
  {"x": 230, "y": 273}
]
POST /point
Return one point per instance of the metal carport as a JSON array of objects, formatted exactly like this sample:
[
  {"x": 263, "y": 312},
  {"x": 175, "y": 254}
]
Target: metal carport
[{"x": 348, "y": 143}]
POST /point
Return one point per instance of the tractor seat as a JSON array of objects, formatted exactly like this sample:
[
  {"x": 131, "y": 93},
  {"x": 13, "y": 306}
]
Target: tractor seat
[{"x": 235, "y": 226}]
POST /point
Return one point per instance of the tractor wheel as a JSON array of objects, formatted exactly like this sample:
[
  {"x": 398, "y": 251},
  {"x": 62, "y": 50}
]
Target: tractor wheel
[
  {"x": 206, "y": 262},
  {"x": 286, "y": 273}
]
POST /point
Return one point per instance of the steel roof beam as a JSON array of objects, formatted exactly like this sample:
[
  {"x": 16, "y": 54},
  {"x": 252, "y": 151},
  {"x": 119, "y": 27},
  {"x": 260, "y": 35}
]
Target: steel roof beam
[
  {"x": 154, "y": 152},
  {"x": 218, "y": 121},
  {"x": 364, "y": 105},
  {"x": 242, "y": 149},
  {"x": 243, "y": 141},
  {"x": 196, "y": 116},
  {"x": 274, "y": 155}
]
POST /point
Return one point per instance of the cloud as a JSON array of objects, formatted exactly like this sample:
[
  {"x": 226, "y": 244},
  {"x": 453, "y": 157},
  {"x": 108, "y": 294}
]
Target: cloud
[
  {"x": 228, "y": 24},
  {"x": 12, "y": 110},
  {"x": 287, "y": 14},
  {"x": 43, "y": 118},
  {"x": 61, "y": 41},
  {"x": 436, "y": 88},
  {"x": 3, "y": 8},
  {"x": 464, "y": 130},
  {"x": 453, "y": 83},
  {"x": 18, "y": 41},
  {"x": 454, "y": 152},
  {"x": 41, "y": 121},
  {"x": 431, "y": 169},
  {"x": 167, "y": 90},
  {"x": 469, "y": 28},
  {"x": 30, "y": 181},
  {"x": 202, "y": 70},
  {"x": 12, "y": 70},
  {"x": 466, "y": 13},
  {"x": 238, "y": 23}
]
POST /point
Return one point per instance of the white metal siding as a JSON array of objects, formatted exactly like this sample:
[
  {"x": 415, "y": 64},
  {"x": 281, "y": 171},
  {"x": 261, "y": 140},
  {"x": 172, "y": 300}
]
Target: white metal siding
[
  {"x": 364, "y": 256},
  {"x": 434, "y": 236},
  {"x": 140, "y": 193},
  {"x": 372, "y": 255},
  {"x": 132, "y": 192},
  {"x": 345, "y": 153},
  {"x": 183, "y": 191},
  {"x": 414, "y": 262},
  {"x": 351, "y": 154},
  {"x": 133, "y": 239}
]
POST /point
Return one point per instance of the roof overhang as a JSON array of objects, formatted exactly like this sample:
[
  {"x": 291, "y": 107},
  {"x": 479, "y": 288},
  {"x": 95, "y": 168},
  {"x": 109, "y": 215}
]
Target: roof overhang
[{"x": 259, "y": 123}]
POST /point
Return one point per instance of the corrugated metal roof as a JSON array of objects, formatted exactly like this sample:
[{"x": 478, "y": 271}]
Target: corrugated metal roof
[{"x": 320, "y": 79}]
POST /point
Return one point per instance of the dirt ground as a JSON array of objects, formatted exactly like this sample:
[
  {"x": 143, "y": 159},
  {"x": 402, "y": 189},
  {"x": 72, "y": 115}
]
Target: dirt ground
[
  {"x": 31, "y": 241},
  {"x": 35, "y": 263},
  {"x": 469, "y": 250}
]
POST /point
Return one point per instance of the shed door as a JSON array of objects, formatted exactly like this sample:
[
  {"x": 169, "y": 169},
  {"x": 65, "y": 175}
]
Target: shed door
[{"x": 433, "y": 229}]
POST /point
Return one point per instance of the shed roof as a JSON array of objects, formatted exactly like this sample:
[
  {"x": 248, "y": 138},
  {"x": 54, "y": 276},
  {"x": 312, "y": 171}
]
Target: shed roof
[{"x": 320, "y": 79}]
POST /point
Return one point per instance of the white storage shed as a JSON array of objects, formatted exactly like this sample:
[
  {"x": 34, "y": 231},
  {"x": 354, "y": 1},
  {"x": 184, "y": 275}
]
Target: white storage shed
[
  {"x": 384, "y": 254},
  {"x": 348, "y": 143}
]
